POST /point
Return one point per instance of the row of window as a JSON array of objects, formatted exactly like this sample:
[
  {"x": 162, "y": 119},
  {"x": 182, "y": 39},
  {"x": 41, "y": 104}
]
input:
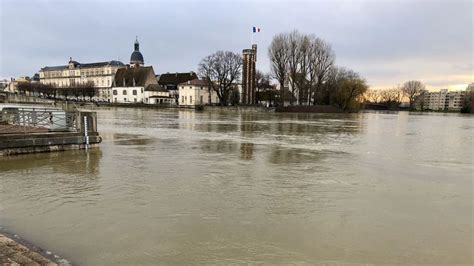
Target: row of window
[
  {"x": 124, "y": 92},
  {"x": 201, "y": 99},
  {"x": 182, "y": 87},
  {"x": 96, "y": 72}
]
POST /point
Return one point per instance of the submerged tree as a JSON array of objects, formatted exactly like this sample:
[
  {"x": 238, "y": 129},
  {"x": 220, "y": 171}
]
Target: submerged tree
[
  {"x": 413, "y": 90},
  {"x": 278, "y": 53},
  {"x": 221, "y": 70},
  {"x": 348, "y": 88},
  {"x": 303, "y": 62}
]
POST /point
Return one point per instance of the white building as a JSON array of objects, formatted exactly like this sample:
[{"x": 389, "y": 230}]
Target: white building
[
  {"x": 196, "y": 92},
  {"x": 444, "y": 100},
  {"x": 138, "y": 85},
  {"x": 435, "y": 100}
]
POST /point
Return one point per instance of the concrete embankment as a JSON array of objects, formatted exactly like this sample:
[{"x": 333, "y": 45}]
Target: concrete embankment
[
  {"x": 6, "y": 97},
  {"x": 11, "y": 144},
  {"x": 16, "y": 251},
  {"x": 35, "y": 130}
]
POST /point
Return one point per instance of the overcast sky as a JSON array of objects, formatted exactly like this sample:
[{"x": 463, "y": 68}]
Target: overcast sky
[{"x": 387, "y": 42}]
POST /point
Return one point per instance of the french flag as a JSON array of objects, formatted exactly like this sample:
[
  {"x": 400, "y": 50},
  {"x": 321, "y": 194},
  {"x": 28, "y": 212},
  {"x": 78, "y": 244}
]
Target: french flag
[{"x": 256, "y": 29}]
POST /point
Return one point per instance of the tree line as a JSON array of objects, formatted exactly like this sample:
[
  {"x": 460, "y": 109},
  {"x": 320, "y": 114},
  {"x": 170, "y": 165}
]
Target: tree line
[
  {"x": 412, "y": 90},
  {"x": 39, "y": 89}
]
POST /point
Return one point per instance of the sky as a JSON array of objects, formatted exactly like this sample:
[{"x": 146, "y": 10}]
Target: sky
[{"x": 386, "y": 42}]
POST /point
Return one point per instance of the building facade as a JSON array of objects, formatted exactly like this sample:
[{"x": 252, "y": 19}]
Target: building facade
[
  {"x": 443, "y": 100},
  {"x": 100, "y": 75},
  {"x": 138, "y": 85},
  {"x": 196, "y": 92},
  {"x": 170, "y": 81},
  {"x": 249, "y": 81}
]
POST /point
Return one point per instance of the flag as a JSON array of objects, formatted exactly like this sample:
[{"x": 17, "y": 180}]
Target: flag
[{"x": 256, "y": 29}]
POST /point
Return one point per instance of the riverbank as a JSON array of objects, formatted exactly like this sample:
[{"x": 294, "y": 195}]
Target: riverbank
[{"x": 16, "y": 251}]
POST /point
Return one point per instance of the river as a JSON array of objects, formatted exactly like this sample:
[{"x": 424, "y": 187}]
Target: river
[{"x": 179, "y": 187}]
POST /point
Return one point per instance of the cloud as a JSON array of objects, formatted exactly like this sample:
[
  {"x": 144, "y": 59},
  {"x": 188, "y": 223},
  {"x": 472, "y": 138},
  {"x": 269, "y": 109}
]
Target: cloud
[{"x": 388, "y": 42}]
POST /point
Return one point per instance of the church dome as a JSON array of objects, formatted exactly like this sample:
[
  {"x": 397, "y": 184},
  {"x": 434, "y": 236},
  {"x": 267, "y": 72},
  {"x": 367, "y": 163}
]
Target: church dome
[{"x": 137, "y": 58}]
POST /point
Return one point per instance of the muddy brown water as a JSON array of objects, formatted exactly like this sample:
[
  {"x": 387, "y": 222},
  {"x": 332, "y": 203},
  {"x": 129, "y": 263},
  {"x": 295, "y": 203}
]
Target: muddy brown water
[{"x": 181, "y": 187}]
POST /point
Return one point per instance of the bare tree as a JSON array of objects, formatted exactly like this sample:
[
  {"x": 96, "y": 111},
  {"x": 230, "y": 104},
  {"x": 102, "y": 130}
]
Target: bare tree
[
  {"x": 393, "y": 95},
  {"x": 413, "y": 90},
  {"x": 373, "y": 96},
  {"x": 295, "y": 56},
  {"x": 322, "y": 60},
  {"x": 278, "y": 53},
  {"x": 221, "y": 70}
]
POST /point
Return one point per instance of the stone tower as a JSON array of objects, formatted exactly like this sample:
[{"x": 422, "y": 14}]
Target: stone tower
[{"x": 249, "y": 81}]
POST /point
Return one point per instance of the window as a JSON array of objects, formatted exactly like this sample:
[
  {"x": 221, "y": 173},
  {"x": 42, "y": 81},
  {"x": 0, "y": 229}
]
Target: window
[
  {"x": 201, "y": 98},
  {"x": 201, "y": 88},
  {"x": 182, "y": 99},
  {"x": 135, "y": 99},
  {"x": 115, "y": 92},
  {"x": 191, "y": 99},
  {"x": 142, "y": 90},
  {"x": 134, "y": 92},
  {"x": 124, "y": 99},
  {"x": 124, "y": 92}
]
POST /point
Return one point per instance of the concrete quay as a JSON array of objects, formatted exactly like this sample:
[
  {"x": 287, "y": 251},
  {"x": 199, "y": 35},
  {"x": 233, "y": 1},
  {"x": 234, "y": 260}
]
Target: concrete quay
[
  {"x": 32, "y": 130},
  {"x": 16, "y": 251},
  {"x": 11, "y": 144}
]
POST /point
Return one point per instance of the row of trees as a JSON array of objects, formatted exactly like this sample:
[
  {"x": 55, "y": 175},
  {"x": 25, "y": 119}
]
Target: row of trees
[
  {"x": 39, "y": 89},
  {"x": 305, "y": 64},
  {"x": 412, "y": 90}
]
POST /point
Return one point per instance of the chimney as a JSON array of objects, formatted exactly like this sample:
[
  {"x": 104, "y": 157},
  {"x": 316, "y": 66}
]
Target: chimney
[{"x": 133, "y": 80}]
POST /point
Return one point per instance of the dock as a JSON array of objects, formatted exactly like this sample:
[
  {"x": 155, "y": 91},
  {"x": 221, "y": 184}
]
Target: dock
[{"x": 32, "y": 130}]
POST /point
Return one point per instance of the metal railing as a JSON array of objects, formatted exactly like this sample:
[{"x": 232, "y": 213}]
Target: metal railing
[{"x": 27, "y": 120}]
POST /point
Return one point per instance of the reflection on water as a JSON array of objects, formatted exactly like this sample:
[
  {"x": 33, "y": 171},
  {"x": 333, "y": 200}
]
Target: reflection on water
[{"x": 183, "y": 187}]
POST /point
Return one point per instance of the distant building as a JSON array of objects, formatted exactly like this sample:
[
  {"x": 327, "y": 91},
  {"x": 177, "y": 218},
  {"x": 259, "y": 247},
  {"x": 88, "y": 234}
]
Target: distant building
[
  {"x": 138, "y": 85},
  {"x": 443, "y": 100},
  {"x": 12, "y": 85},
  {"x": 249, "y": 81},
  {"x": 170, "y": 81},
  {"x": 100, "y": 74},
  {"x": 4, "y": 84},
  {"x": 196, "y": 92}
]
